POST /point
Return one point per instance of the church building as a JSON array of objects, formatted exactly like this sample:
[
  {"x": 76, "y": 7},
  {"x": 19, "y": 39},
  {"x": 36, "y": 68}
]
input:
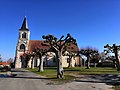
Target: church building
[{"x": 25, "y": 45}]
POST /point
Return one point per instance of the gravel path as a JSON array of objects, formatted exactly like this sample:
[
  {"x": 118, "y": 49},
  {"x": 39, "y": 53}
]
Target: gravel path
[{"x": 25, "y": 80}]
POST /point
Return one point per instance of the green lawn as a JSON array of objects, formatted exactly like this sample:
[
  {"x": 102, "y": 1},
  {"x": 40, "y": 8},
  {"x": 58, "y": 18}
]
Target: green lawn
[
  {"x": 51, "y": 72},
  {"x": 92, "y": 70},
  {"x": 69, "y": 73},
  {"x": 117, "y": 87},
  {"x": 48, "y": 72}
]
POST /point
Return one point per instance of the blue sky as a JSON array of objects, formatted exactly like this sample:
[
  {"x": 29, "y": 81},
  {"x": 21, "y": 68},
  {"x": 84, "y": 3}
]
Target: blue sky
[{"x": 92, "y": 22}]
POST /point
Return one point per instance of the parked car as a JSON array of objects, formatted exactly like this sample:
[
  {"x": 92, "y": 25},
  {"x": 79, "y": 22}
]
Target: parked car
[
  {"x": 1, "y": 67},
  {"x": 5, "y": 68}
]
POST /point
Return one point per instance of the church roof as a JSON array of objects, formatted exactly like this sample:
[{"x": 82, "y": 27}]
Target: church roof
[
  {"x": 24, "y": 26},
  {"x": 38, "y": 44},
  {"x": 73, "y": 48}
]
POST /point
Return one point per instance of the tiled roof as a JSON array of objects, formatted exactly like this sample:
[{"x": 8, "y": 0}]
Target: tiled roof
[
  {"x": 38, "y": 44},
  {"x": 4, "y": 63},
  {"x": 73, "y": 48}
]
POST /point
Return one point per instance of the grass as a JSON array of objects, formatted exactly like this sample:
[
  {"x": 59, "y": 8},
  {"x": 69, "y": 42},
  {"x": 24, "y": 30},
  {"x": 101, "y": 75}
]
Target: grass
[
  {"x": 69, "y": 73},
  {"x": 51, "y": 72},
  {"x": 2, "y": 72},
  {"x": 48, "y": 72},
  {"x": 92, "y": 71},
  {"x": 117, "y": 87}
]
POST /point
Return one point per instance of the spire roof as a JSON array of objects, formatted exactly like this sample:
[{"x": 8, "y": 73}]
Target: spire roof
[{"x": 24, "y": 26}]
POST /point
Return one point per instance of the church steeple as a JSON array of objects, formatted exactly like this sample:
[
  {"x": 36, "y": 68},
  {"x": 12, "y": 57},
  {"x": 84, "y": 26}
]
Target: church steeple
[
  {"x": 24, "y": 32},
  {"x": 24, "y": 26},
  {"x": 22, "y": 45}
]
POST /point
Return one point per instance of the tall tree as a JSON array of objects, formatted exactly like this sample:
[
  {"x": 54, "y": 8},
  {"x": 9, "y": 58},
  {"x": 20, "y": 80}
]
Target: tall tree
[
  {"x": 95, "y": 58},
  {"x": 102, "y": 56},
  {"x": 39, "y": 53},
  {"x": 59, "y": 46},
  {"x": 88, "y": 52},
  {"x": 114, "y": 49},
  {"x": 25, "y": 57},
  {"x": 112, "y": 59},
  {"x": 30, "y": 56}
]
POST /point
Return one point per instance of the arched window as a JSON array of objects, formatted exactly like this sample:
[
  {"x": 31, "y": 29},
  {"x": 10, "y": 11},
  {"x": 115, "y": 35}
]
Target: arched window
[
  {"x": 24, "y": 35},
  {"x": 22, "y": 47}
]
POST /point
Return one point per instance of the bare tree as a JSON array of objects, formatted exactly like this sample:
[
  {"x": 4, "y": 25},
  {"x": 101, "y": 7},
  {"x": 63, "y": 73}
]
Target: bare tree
[
  {"x": 114, "y": 49},
  {"x": 59, "y": 46},
  {"x": 30, "y": 56},
  {"x": 112, "y": 59},
  {"x": 25, "y": 57},
  {"x": 88, "y": 52},
  {"x": 39, "y": 53},
  {"x": 95, "y": 58},
  {"x": 102, "y": 56}
]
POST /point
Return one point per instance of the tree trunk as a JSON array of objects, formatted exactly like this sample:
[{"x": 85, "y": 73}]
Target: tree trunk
[
  {"x": 41, "y": 65},
  {"x": 84, "y": 64},
  {"x": 32, "y": 65},
  {"x": 46, "y": 61},
  {"x": 88, "y": 62},
  {"x": 114, "y": 63},
  {"x": 95, "y": 64},
  {"x": 59, "y": 65},
  {"x": 70, "y": 59},
  {"x": 117, "y": 61},
  {"x": 81, "y": 62}
]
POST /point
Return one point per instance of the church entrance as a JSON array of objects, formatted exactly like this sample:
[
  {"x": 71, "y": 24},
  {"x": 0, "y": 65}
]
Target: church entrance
[{"x": 24, "y": 61}]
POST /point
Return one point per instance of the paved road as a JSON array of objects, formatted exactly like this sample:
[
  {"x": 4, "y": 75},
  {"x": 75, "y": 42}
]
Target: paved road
[{"x": 25, "y": 80}]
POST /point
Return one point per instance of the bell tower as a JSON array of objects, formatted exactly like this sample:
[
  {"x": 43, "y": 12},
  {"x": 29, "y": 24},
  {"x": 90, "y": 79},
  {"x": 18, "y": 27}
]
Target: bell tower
[{"x": 22, "y": 45}]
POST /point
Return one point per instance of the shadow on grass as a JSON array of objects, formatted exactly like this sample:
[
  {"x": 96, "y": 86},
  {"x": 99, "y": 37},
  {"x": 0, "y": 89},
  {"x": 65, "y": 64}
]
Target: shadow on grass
[
  {"x": 34, "y": 77},
  {"x": 27, "y": 77},
  {"x": 109, "y": 79},
  {"x": 66, "y": 70},
  {"x": 18, "y": 70},
  {"x": 52, "y": 68},
  {"x": 20, "y": 73}
]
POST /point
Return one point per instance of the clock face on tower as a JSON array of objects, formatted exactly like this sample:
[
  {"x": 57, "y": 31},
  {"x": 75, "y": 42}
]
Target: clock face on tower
[{"x": 24, "y": 41}]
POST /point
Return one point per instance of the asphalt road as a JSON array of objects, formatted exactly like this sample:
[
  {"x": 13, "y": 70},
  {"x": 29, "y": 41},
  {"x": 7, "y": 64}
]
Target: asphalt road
[{"x": 25, "y": 80}]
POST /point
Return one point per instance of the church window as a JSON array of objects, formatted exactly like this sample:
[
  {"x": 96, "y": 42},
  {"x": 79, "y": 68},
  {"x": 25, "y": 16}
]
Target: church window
[
  {"x": 22, "y": 47},
  {"x": 24, "y": 35},
  {"x": 68, "y": 59}
]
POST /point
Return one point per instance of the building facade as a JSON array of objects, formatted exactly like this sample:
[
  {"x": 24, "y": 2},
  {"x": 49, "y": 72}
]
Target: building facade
[{"x": 25, "y": 45}]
